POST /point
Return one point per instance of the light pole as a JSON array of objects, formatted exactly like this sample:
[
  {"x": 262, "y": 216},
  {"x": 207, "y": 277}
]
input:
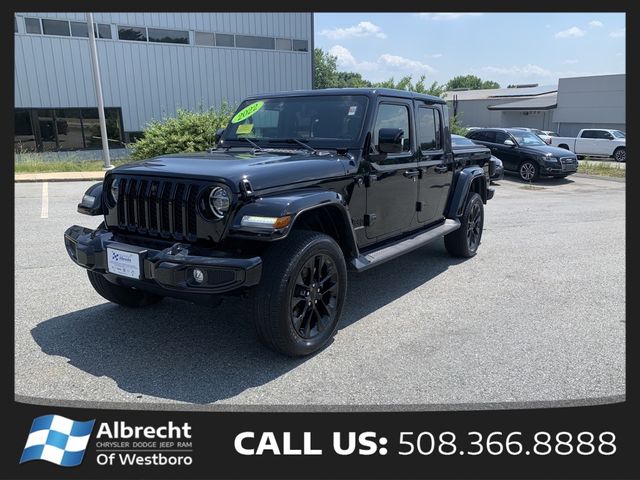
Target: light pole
[{"x": 98, "y": 85}]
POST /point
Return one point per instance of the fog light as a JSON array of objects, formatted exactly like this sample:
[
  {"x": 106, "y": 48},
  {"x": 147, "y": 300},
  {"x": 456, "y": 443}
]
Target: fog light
[{"x": 198, "y": 275}]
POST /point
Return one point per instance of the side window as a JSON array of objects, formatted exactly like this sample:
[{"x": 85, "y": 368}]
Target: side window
[
  {"x": 501, "y": 137},
  {"x": 485, "y": 136},
  {"x": 588, "y": 134},
  {"x": 429, "y": 128},
  {"x": 393, "y": 116}
]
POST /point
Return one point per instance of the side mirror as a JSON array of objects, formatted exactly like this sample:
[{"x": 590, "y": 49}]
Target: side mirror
[
  {"x": 218, "y": 135},
  {"x": 390, "y": 140},
  {"x": 609, "y": 136},
  {"x": 509, "y": 142}
]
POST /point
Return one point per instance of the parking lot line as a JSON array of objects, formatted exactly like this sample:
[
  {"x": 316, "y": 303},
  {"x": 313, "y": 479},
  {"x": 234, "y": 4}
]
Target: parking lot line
[{"x": 44, "y": 212}]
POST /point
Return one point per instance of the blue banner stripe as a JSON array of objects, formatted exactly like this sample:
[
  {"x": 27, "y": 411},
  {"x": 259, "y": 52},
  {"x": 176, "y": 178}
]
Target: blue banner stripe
[
  {"x": 41, "y": 423},
  {"x": 72, "y": 459},
  {"x": 32, "y": 453},
  {"x": 57, "y": 439},
  {"x": 80, "y": 429}
]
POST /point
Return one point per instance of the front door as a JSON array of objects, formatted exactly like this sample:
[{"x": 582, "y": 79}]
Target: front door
[
  {"x": 509, "y": 154},
  {"x": 392, "y": 181},
  {"x": 435, "y": 167}
]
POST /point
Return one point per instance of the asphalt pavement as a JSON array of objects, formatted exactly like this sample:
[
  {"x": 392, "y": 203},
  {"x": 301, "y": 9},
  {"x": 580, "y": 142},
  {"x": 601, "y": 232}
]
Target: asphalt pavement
[{"x": 536, "y": 318}]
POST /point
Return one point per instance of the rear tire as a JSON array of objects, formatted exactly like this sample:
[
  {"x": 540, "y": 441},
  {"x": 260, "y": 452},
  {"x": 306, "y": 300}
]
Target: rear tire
[
  {"x": 464, "y": 242},
  {"x": 298, "y": 303},
  {"x": 125, "y": 296}
]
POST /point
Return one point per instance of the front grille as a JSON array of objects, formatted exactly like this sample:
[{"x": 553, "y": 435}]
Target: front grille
[
  {"x": 568, "y": 160},
  {"x": 160, "y": 208}
]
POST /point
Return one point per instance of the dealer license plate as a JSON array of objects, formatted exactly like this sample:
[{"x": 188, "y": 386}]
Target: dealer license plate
[{"x": 123, "y": 263}]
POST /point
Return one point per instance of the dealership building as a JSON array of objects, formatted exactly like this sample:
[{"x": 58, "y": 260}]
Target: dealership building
[
  {"x": 566, "y": 108},
  {"x": 151, "y": 64}
]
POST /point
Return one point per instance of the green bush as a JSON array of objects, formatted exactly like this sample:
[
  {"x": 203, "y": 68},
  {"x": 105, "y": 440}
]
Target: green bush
[{"x": 186, "y": 132}]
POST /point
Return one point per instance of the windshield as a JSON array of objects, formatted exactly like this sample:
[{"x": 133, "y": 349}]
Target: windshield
[
  {"x": 526, "y": 138},
  {"x": 618, "y": 134},
  {"x": 320, "y": 121}
]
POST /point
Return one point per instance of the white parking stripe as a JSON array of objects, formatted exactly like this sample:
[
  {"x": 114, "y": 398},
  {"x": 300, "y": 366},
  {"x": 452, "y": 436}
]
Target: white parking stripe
[{"x": 44, "y": 212}]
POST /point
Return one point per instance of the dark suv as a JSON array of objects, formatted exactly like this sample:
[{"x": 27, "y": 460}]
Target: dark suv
[
  {"x": 525, "y": 153},
  {"x": 302, "y": 186}
]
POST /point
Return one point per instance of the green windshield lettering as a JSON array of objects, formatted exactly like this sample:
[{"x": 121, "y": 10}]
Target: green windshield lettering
[{"x": 247, "y": 111}]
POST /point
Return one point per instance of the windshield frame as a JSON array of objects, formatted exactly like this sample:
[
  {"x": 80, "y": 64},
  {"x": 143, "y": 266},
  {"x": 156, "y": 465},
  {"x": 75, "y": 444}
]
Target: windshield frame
[{"x": 281, "y": 142}]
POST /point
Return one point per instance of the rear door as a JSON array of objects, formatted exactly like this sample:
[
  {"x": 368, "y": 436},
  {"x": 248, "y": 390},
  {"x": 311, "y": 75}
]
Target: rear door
[
  {"x": 587, "y": 143},
  {"x": 392, "y": 183},
  {"x": 435, "y": 167}
]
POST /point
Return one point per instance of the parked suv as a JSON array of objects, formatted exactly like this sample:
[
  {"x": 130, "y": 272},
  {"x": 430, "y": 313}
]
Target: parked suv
[
  {"x": 525, "y": 153},
  {"x": 302, "y": 186}
]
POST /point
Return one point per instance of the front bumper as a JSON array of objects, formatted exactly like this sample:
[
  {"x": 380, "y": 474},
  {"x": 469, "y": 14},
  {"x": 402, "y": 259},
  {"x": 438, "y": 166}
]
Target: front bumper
[{"x": 168, "y": 270}]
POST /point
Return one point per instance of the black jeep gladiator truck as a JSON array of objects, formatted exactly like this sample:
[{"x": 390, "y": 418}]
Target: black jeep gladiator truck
[{"x": 301, "y": 187}]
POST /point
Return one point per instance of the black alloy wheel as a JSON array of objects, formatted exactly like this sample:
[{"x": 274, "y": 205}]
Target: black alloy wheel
[
  {"x": 474, "y": 226},
  {"x": 314, "y": 297}
]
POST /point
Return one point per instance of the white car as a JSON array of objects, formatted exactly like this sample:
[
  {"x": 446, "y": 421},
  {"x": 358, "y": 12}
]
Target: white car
[
  {"x": 596, "y": 142},
  {"x": 544, "y": 135}
]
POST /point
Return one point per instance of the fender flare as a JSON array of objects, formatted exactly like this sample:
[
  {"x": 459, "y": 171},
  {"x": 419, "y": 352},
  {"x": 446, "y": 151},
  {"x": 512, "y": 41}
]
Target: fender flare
[
  {"x": 465, "y": 179},
  {"x": 95, "y": 207},
  {"x": 295, "y": 204}
]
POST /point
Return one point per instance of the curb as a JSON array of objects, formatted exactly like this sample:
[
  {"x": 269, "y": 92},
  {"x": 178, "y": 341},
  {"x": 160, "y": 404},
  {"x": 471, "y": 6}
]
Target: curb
[{"x": 58, "y": 177}]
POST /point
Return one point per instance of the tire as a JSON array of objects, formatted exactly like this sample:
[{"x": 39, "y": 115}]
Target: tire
[
  {"x": 620, "y": 155},
  {"x": 125, "y": 296},
  {"x": 284, "y": 316},
  {"x": 528, "y": 171},
  {"x": 464, "y": 242}
]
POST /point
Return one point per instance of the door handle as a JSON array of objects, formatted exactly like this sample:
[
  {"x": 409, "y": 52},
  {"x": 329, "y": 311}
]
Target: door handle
[
  {"x": 441, "y": 169},
  {"x": 411, "y": 174}
]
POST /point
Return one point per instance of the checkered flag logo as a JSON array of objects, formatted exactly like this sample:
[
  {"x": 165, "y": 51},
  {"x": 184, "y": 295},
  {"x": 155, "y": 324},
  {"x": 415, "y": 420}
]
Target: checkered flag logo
[{"x": 57, "y": 440}]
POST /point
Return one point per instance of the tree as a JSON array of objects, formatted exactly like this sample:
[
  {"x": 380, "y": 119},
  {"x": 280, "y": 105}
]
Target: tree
[
  {"x": 324, "y": 69},
  {"x": 470, "y": 82},
  {"x": 406, "y": 84}
]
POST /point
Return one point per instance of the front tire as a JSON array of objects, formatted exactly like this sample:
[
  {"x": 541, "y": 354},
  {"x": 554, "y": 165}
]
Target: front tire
[
  {"x": 298, "y": 303},
  {"x": 464, "y": 242},
  {"x": 620, "y": 155},
  {"x": 528, "y": 171},
  {"x": 125, "y": 296}
]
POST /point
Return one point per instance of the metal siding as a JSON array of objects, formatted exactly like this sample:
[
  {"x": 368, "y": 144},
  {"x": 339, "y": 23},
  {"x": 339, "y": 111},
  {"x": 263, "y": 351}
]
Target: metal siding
[{"x": 148, "y": 80}]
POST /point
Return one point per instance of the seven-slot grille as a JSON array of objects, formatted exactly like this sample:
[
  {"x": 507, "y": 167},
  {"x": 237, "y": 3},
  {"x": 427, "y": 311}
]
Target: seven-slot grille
[{"x": 158, "y": 207}]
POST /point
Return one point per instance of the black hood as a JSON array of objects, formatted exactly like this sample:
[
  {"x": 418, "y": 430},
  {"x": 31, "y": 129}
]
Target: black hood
[
  {"x": 262, "y": 169},
  {"x": 546, "y": 150}
]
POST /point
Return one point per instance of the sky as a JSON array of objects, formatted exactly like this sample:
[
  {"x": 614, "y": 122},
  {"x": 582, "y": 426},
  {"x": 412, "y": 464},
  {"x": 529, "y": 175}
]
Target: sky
[{"x": 509, "y": 48}]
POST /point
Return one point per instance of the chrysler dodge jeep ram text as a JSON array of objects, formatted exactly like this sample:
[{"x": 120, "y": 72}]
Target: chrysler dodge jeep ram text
[{"x": 301, "y": 187}]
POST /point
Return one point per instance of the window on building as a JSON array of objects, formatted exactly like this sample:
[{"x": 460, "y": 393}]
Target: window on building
[
  {"x": 69, "y": 125},
  {"x": 55, "y": 27},
  {"x": 224, "y": 40},
  {"x": 81, "y": 29},
  {"x": 204, "y": 38},
  {"x": 65, "y": 129},
  {"x": 300, "y": 46},
  {"x": 248, "y": 41},
  {"x": 168, "y": 36},
  {"x": 32, "y": 25},
  {"x": 283, "y": 44},
  {"x": 393, "y": 116},
  {"x": 429, "y": 129},
  {"x": 25, "y": 140},
  {"x": 132, "y": 33}
]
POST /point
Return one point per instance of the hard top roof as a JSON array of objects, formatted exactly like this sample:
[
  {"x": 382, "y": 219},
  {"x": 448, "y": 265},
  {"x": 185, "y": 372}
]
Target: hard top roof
[{"x": 369, "y": 92}]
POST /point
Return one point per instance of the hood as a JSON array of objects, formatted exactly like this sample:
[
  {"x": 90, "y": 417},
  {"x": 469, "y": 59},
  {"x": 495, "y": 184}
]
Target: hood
[
  {"x": 262, "y": 169},
  {"x": 547, "y": 150}
]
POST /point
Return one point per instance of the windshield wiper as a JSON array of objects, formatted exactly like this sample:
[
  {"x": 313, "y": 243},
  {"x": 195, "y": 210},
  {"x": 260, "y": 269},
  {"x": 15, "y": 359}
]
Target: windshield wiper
[
  {"x": 295, "y": 140},
  {"x": 256, "y": 147}
]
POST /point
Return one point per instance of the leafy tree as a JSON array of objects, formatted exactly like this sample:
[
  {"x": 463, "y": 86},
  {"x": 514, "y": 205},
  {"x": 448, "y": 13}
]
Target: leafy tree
[
  {"x": 325, "y": 69},
  {"x": 406, "y": 84},
  {"x": 470, "y": 82}
]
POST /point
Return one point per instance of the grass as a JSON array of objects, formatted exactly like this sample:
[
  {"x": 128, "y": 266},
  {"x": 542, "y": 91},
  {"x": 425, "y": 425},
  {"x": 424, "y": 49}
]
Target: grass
[
  {"x": 602, "y": 169},
  {"x": 34, "y": 164}
]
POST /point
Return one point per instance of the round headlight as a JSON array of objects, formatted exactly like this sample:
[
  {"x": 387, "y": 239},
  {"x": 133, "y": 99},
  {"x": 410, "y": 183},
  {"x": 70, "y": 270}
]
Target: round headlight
[
  {"x": 115, "y": 185},
  {"x": 219, "y": 201}
]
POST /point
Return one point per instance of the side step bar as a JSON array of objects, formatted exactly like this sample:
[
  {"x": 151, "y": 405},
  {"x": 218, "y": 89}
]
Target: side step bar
[{"x": 389, "y": 252}]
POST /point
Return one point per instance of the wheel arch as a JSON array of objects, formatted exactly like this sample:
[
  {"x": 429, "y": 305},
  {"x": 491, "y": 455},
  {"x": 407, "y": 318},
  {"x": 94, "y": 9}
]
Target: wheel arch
[{"x": 470, "y": 180}]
